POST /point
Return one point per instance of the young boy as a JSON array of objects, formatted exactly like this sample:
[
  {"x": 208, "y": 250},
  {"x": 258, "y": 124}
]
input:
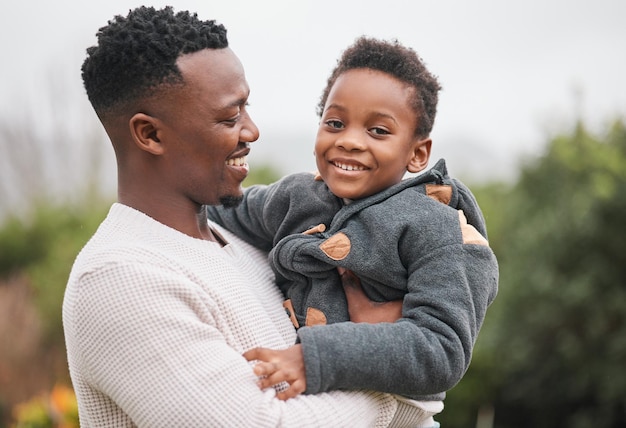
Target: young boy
[{"x": 422, "y": 240}]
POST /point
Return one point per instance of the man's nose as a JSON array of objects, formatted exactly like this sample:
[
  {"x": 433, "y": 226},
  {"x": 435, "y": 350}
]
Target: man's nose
[{"x": 249, "y": 131}]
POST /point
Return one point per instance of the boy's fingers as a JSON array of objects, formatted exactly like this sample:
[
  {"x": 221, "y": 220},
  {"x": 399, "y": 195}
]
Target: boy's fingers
[
  {"x": 274, "y": 376},
  {"x": 270, "y": 381},
  {"x": 265, "y": 369},
  {"x": 294, "y": 390},
  {"x": 256, "y": 354}
]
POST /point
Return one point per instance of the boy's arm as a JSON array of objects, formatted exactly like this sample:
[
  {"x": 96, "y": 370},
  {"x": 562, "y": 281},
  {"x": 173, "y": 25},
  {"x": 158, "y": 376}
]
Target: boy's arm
[
  {"x": 429, "y": 349},
  {"x": 287, "y": 365},
  {"x": 247, "y": 220},
  {"x": 268, "y": 213}
]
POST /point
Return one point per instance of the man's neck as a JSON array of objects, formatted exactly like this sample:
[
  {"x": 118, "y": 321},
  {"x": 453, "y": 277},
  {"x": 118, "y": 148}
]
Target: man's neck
[{"x": 184, "y": 216}]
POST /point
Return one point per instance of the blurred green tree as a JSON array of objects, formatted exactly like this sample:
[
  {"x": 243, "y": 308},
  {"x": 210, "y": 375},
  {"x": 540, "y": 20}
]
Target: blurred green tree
[
  {"x": 553, "y": 348},
  {"x": 261, "y": 174},
  {"x": 559, "y": 326}
]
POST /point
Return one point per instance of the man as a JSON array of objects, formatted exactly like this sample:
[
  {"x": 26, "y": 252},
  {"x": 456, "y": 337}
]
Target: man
[{"x": 160, "y": 305}]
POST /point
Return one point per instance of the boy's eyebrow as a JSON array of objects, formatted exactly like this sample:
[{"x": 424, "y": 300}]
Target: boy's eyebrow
[
  {"x": 335, "y": 106},
  {"x": 376, "y": 114},
  {"x": 386, "y": 116}
]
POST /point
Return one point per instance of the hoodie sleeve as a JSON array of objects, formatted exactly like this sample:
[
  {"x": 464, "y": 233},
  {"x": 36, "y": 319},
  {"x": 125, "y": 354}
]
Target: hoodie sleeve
[
  {"x": 427, "y": 351},
  {"x": 268, "y": 213}
]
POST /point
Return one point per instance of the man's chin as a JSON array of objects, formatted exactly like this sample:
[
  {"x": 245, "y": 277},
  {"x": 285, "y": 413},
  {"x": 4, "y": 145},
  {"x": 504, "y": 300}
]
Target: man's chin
[{"x": 230, "y": 201}]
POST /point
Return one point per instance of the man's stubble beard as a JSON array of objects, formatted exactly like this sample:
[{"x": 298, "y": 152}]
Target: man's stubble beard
[{"x": 230, "y": 201}]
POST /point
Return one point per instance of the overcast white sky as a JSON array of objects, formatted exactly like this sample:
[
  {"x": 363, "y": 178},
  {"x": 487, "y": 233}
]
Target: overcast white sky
[{"x": 513, "y": 72}]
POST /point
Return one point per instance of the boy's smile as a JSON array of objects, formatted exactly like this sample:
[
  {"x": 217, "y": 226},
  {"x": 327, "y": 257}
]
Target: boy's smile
[{"x": 366, "y": 138}]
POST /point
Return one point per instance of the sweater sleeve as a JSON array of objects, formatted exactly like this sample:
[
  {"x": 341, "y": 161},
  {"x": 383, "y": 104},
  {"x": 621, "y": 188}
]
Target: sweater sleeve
[
  {"x": 156, "y": 351},
  {"x": 428, "y": 350}
]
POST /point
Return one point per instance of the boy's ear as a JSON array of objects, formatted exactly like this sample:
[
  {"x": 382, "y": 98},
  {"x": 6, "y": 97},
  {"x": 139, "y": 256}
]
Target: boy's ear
[
  {"x": 421, "y": 155},
  {"x": 144, "y": 130}
]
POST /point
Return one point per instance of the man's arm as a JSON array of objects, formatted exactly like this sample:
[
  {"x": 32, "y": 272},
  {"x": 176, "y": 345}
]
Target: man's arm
[{"x": 162, "y": 358}]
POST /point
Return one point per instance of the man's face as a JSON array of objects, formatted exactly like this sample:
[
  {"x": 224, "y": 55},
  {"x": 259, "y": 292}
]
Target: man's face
[{"x": 207, "y": 128}]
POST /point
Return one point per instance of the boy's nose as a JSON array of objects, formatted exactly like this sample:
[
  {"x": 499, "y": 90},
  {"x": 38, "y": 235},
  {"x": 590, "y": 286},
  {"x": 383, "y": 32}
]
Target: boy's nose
[{"x": 350, "y": 141}]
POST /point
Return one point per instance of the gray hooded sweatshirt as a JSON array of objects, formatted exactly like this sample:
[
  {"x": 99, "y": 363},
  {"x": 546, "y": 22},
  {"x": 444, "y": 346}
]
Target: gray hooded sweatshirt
[{"x": 407, "y": 242}]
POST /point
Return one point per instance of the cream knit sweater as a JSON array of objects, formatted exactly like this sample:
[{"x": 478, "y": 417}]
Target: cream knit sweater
[{"x": 155, "y": 324}]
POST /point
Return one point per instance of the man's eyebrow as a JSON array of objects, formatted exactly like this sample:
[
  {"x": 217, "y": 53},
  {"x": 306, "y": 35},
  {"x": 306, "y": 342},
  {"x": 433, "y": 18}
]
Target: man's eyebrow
[{"x": 238, "y": 102}]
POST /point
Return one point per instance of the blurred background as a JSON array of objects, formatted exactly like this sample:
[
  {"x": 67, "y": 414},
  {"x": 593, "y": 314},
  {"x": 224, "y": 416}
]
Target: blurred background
[{"x": 532, "y": 116}]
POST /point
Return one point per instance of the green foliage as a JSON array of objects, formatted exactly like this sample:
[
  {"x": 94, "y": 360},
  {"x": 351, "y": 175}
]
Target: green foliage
[
  {"x": 261, "y": 174},
  {"x": 553, "y": 347},
  {"x": 562, "y": 308},
  {"x": 44, "y": 247},
  {"x": 57, "y": 409},
  {"x": 20, "y": 246}
]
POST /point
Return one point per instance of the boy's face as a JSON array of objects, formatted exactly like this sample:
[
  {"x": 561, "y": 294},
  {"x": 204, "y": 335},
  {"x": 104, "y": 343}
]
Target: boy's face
[{"x": 365, "y": 142}]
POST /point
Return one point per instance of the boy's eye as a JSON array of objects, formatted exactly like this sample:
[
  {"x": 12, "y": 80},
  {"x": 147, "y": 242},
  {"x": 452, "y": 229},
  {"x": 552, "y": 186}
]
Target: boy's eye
[
  {"x": 334, "y": 124},
  {"x": 379, "y": 131}
]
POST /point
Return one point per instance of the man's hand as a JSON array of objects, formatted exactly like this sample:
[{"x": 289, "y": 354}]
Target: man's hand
[
  {"x": 280, "y": 366},
  {"x": 361, "y": 308}
]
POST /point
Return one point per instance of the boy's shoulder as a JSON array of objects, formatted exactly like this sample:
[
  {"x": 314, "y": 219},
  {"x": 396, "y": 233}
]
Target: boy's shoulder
[
  {"x": 438, "y": 185},
  {"x": 300, "y": 183}
]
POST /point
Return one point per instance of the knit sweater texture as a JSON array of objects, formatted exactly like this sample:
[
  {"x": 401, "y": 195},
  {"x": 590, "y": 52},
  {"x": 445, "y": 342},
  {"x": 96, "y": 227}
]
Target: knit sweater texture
[
  {"x": 407, "y": 242},
  {"x": 155, "y": 324}
]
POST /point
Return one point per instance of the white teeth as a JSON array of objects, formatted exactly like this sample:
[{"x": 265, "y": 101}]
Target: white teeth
[
  {"x": 236, "y": 161},
  {"x": 346, "y": 167}
]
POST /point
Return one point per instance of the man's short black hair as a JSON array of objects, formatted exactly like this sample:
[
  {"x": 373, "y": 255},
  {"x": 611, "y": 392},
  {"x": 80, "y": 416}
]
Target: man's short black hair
[
  {"x": 399, "y": 61},
  {"x": 138, "y": 52}
]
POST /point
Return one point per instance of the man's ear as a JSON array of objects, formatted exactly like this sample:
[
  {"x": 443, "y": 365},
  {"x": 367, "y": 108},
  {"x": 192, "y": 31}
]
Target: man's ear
[
  {"x": 421, "y": 155},
  {"x": 145, "y": 129}
]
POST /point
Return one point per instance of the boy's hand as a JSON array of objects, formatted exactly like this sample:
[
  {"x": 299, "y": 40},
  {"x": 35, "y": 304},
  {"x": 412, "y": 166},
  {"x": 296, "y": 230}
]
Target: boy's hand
[
  {"x": 361, "y": 308},
  {"x": 276, "y": 366}
]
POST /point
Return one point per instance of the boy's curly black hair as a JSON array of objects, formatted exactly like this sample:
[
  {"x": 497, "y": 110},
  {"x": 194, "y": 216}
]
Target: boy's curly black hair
[
  {"x": 398, "y": 61},
  {"x": 136, "y": 53}
]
